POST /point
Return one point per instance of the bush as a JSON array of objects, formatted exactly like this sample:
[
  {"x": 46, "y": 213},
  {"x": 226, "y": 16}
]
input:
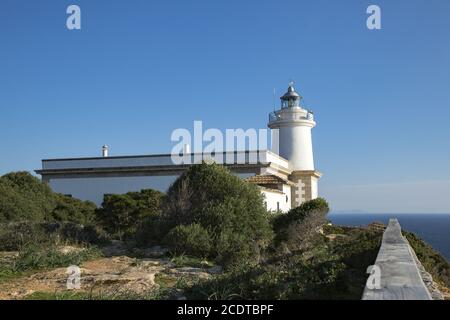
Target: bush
[
  {"x": 296, "y": 228},
  {"x": 122, "y": 215},
  {"x": 192, "y": 239},
  {"x": 14, "y": 236},
  {"x": 24, "y": 197},
  {"x": 231, "y": 210},
  {"x": 289, "y": 278},
  {"x": 33, "y": 257},
  {"x": 73, "y": 210},
  {"x": 77, "y": 233},
  {"x": 151, "y": 232},
  {"x": 328, "y": 270}
]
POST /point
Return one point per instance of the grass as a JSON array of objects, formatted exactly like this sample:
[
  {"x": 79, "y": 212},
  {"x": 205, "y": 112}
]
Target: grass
[
  {"x": 77, "y": 295},
  {"x": 330, "y": 269},
  {"x": 7, "y": 274},
  {"x": 169, "y": 289},
  {"x": 181, "y": 261},
  {"x": 34, "y": 258},
  {"x": 327, "y": 270}
]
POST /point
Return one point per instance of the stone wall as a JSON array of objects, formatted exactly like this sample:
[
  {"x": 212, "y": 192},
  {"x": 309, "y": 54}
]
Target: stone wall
[{"x": 400, "y": 277}]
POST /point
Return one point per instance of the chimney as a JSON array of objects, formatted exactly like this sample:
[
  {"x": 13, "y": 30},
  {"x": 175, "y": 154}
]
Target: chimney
[{"x": 105, "y": 151}]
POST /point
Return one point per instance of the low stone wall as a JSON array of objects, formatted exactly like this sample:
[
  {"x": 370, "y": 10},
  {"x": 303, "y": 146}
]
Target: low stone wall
[{"x": 400, "y": 277}]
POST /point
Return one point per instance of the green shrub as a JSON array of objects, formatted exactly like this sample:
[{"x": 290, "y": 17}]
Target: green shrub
[
  {"x": 77, "y": 233},
  {"x": 15, "y": 235},
  {"x": 316, "y": 207},
  {"x": 122, "y": 215},
  {"x": 230, "y": 209},
  {"x": 24, "y": 197},
  {"x": 68, "y": 209},
  {"x": 326, "y": 270},
  {"x": 190, "y": 239},
  {"x": 34, "y": 257},
  {"x": 296, "y": 229},
  {"x": 151, "y": 232},
  {"x": 290, "y": 278}
]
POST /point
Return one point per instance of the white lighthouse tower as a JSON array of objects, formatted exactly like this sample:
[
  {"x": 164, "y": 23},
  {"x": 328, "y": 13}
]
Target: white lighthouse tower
[{"x": 293, "y": 124}]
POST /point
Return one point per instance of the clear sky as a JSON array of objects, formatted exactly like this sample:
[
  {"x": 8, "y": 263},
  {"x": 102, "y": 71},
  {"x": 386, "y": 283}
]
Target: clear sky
[{"x": 137, "y": 70}]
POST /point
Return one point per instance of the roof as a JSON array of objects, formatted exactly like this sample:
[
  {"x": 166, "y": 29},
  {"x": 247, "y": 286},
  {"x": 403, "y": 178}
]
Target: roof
[
  {"x": 267, "y": 179},
  {"x": 291, "y": 94}
]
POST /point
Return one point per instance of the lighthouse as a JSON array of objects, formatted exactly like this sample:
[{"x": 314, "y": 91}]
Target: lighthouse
[{"x": 292, "y": 124}]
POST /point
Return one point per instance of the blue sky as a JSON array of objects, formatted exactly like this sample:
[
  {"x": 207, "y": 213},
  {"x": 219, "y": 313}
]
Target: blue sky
[{"x": 140, "y": 69}]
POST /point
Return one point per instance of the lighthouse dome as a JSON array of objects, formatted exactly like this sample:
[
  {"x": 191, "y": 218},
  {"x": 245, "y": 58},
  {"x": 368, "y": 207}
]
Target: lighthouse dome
[{"x": 291, "y": 98}]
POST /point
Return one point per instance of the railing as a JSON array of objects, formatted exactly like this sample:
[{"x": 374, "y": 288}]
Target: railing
[
  {"x": 278, "y": 115},
  {"x": 399, "y": 276}
]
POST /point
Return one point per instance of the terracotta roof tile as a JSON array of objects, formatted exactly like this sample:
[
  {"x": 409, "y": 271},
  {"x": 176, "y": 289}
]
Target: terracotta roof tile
[{"x": 266, "y": 179}]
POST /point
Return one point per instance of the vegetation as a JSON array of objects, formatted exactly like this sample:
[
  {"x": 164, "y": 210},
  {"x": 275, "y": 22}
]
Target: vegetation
[
  {"x": 295, "y": 229},
  {"x": 208, "y": 217},
  {"x": 34, "y": 257},
  {"x": 227, "y": 213},
  {"x": 122, "y": 215},
  {"x": 36, "y": 223},
  {"x": 192, "y": 239},
  {"x": 431, "y": 260},
  {"x": 16, "y": 235},
  {"x": 325, "y": 269},
  {"x": 25, "y": 198}
]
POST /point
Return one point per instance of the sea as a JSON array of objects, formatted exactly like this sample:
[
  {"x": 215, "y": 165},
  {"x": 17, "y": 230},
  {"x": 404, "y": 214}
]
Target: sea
[{"x": 432, "y": 228}]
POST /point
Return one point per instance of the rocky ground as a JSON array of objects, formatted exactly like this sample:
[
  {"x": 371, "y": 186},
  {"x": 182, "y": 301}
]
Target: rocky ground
[{"x": 114, "y": 275}]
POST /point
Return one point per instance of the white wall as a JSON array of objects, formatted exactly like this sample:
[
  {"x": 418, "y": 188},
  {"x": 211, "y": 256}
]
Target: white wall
[
  {"x": 276, "y": 200},
  {"x": 296, "y": 146},
  {"x": 93, "y": 189},
  {"x": 314, "y": 188}
]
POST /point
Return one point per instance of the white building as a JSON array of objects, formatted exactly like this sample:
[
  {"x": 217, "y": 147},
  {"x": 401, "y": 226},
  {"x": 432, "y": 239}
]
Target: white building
[{"x": 286, "y": 180}]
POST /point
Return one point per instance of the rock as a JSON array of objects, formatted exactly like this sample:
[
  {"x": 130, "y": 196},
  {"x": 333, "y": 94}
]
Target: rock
[
  {"x": 69, "y": 249},
  {"x": 215, "y": 270},
  {"x": 148, "y": 262},
  {"x": 155, "y": 251},
  {"x": 110, "y": 276},
  {"x": 191, "y": 272},
  {"x": 427, "y": 279},
  {"x": 116, "y": 248}
]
